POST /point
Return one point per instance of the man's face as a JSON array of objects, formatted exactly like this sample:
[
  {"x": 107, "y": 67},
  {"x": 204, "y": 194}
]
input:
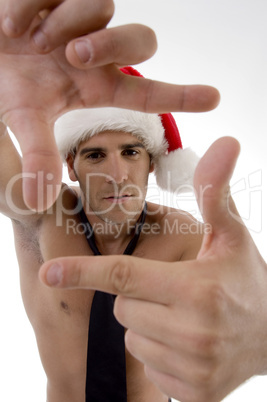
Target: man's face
[{"x": 112, "y": 169}]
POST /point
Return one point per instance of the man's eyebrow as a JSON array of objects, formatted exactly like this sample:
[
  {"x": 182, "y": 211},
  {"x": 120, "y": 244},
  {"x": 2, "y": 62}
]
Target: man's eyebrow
[
  {"x": 91, "y": 149},
  {"x": 134, "y": 145},
  {"x": 101, "y": 149}
]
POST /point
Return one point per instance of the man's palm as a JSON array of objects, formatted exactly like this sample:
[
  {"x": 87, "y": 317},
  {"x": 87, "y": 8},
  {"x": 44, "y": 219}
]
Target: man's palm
[{"x": 35, "y": 90}]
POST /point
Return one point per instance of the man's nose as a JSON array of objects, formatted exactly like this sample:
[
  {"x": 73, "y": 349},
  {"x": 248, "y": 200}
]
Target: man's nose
[{"x": 117, "y": 171}]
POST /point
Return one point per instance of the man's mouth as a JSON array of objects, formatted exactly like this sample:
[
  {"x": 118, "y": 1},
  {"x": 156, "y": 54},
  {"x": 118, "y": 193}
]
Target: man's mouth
[{"x": 118, "y": 198}]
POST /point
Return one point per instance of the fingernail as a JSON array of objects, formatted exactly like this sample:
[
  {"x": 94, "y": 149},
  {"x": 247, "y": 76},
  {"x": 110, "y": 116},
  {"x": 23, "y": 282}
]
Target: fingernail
[
  {"x": 9, "y": 27},
  {"x": 40, "y": 40},
  {"x": 83, "y": 50},
  {"x": 54, "y": 275}
]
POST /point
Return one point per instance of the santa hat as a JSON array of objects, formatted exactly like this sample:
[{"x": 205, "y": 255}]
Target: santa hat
[{"x": 173, "y": 166}]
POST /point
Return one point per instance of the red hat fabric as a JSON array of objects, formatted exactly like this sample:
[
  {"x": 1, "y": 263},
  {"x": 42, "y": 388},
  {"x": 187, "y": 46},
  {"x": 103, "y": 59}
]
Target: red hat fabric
[{"x": 172, "y": 134}]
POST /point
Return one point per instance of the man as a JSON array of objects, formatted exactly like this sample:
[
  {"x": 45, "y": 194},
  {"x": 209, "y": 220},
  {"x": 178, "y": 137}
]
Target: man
[
  {"x": 111, "y": 153},
  {"x": 209, "y": 373}
]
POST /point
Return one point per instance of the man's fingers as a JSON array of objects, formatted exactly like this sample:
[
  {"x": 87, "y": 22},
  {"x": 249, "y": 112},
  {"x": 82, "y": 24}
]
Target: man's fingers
[
  {"x": 171, "y": 385},
  {"x": 158, "y": 97},
  {"x": 158, "y": 355},
  {"x": 18, "y": 16},
  {"x": 143, "y": 318},
  {"x": 72, "y": 19},
  {"x": 161, "y": 357},
  {"x": 161, "y": 97},
  {"x": 124, "y": 275},
  {"x": 121, "y": 90},
  {"x": 123, "y": 45},
  {"x": 66, "y": 19},
  {"x": 41, "y": 165}
]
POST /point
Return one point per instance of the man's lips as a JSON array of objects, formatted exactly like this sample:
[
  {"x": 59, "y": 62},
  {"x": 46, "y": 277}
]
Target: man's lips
[{"x": 118, "y": 198}]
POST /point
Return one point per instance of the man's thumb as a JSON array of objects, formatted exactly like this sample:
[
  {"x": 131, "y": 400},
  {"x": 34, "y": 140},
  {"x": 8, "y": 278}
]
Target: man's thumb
[{"x": 211, "y": 182}]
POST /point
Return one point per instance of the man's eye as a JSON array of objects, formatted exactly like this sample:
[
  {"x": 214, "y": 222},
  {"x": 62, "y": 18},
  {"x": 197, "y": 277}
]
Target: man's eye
[
  {"x": 94, "y": 155},
  {"x": 130, "y": 152}
]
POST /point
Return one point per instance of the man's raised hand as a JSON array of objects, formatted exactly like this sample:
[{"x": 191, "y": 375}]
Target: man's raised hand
[{"x": 37, "y": 88}]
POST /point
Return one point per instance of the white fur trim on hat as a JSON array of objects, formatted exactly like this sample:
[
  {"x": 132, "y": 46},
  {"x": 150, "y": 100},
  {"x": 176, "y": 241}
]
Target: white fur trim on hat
[
  {"x": 175, "y": 171},
  {"x": 78, "y": 125}
]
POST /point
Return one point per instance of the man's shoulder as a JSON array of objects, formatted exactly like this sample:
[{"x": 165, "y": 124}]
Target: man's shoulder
[
  {"x": 177, "y": 229},
  {"x": 66, "y": 201},
  {"x": 65, "y": 207},
  {"x": 166, "y": 215},
  {"x": 68, "y": 197},
  {"x": 60, "y": 233}
]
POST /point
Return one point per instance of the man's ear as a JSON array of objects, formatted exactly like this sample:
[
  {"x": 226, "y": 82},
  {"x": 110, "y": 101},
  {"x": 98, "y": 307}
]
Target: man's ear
[
  {"x": 151, "y": 169},
  {"x": 70, "y": 164}
]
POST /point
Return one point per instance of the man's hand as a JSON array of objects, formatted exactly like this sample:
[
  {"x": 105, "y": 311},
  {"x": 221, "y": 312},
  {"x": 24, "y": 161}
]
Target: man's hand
[
  {"x": 37, "y": 88},
  {"x": 198, "y": 326}
]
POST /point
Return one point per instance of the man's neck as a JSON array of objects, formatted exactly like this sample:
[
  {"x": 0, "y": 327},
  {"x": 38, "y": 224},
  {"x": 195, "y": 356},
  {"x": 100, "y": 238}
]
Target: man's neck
[{"x": 112, "y": 237}]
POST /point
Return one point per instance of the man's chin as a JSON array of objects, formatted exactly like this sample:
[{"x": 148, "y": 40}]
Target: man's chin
[
  {"x": 116, "y": 218},
  {"x": 120, "y": 214}
]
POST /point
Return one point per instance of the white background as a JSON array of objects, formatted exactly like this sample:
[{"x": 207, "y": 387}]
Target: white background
[{"x": 216, "y": 42}]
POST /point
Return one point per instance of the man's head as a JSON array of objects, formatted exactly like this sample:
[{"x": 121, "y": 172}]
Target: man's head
[
  {"x": 173, "y": 166},
  {"x": 112, "y": 169}
]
